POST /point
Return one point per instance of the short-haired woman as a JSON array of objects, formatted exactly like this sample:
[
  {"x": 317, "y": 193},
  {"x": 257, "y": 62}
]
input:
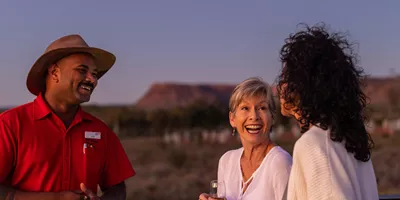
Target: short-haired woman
[{"x": 260, "y": 169}]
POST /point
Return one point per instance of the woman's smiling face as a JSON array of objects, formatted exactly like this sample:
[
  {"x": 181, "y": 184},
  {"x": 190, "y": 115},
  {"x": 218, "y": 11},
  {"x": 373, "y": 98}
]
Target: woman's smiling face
[{"x": 252, "y": 119}]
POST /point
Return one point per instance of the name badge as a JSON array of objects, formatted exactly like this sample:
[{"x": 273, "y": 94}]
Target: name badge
[{"x": 92, "y": 135}]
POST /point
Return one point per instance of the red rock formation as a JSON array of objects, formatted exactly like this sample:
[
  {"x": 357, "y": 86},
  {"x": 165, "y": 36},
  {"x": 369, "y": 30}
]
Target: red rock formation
[{"x": 166, "y": 95}]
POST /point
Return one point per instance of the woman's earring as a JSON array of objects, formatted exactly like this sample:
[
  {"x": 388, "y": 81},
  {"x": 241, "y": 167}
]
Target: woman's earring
[{"x": 234, "y": 132}]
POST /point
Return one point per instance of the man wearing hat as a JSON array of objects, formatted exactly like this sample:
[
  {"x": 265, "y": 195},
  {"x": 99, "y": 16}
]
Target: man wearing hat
[{"x": 50, "y": 148}]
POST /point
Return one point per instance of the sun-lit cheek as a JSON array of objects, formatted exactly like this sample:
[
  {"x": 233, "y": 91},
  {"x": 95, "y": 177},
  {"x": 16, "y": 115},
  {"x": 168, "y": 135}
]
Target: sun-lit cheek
[
  {"x": 239, "y": 118},
  {"x": 267, "y": 117}
]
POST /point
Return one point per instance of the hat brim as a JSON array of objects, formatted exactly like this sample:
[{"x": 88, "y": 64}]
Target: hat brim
[{"x": 36, "y": 81}]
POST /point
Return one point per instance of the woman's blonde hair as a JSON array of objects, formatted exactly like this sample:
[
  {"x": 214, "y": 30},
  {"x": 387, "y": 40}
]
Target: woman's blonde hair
[{"x": 250, "y": 87}]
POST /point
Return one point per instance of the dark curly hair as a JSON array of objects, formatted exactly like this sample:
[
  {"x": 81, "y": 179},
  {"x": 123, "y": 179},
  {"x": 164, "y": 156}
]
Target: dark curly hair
[{"x": 321, "y": 79}]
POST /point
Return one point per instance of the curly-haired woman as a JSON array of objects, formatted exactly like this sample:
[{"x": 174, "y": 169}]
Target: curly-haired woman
[{"x": 320, "y": 87}]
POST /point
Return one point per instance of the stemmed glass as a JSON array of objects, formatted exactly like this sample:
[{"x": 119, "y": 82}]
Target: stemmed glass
[{"x": 217, "y": 189}]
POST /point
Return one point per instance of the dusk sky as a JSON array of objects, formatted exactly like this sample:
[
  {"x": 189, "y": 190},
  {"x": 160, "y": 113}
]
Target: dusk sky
[{"x": 194, "y": 41}]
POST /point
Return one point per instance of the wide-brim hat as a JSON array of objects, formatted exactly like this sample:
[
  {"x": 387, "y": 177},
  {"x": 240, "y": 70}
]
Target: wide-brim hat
[{"x": 61, "y": 48}]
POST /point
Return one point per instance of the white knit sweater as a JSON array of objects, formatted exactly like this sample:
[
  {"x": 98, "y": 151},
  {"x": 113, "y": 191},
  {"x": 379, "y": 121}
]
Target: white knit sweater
[{"x": 323, "y": 169}]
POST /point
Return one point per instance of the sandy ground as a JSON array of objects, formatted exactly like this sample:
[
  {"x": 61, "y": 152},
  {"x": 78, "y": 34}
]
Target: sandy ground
[{"x": 182, "y": 173}]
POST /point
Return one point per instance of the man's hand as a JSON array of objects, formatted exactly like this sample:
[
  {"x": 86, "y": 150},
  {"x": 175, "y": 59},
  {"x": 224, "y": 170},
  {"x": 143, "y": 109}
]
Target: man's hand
[{"x": 89, "y": 193}]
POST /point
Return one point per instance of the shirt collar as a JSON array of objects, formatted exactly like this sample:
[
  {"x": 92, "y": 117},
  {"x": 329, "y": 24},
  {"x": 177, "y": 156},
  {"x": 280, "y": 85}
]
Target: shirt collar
[{"x": 42, "y": 110}]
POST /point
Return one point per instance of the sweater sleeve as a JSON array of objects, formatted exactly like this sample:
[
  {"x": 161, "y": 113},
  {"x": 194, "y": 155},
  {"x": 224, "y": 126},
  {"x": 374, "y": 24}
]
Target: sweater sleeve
[{"x": 311, "y": 160}]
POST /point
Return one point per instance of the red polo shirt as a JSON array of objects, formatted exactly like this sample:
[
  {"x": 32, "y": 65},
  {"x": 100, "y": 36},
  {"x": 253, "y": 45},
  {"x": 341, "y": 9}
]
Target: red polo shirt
[{"x": 37, "y": 152}]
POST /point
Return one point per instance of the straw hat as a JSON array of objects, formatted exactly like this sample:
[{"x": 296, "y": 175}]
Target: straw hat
[{"x": 60, "y": 48}]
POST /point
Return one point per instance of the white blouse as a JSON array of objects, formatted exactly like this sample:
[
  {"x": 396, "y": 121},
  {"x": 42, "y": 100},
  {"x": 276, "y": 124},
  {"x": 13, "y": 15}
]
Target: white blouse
[{"x": 267, "y": 182}]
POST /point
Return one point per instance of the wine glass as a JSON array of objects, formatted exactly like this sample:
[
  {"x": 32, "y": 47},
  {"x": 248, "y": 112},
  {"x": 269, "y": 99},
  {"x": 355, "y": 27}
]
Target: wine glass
[{"x": 217, "y": 189}]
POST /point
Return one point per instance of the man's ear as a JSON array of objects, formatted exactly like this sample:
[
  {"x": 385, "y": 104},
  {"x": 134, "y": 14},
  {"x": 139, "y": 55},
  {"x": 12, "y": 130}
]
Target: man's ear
[{"x": 54, "y": 72}]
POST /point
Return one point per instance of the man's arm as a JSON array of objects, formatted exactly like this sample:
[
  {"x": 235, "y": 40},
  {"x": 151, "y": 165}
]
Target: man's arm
[
  {"x": 19, "y": 195},
  {"x": 8, "y": 147},
  {"x": 7, "y": 157},
  {"x": 117, "y": 169},
  {"x": 8, "y": 193},
  {"x": 116, "y": 192}
]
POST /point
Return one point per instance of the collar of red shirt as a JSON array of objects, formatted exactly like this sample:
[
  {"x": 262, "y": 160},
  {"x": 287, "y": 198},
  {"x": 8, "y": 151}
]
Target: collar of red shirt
[{"x": 42, "y": 109}]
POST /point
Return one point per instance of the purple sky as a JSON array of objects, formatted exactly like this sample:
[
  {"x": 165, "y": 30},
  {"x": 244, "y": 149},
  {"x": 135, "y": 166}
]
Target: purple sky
[{"x": 222, "y": 41}]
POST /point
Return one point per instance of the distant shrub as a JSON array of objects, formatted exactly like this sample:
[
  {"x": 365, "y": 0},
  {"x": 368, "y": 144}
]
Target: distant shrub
[{"x": 177, "y": 158}]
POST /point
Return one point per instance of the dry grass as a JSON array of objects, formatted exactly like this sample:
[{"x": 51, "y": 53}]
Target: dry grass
[{"x": 168, "y": 172}]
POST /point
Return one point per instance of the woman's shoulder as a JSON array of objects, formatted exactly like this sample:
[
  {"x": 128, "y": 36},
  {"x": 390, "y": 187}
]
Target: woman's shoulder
[
  {"x": 313, "y": 134},
  {"x": 277, "y": 165},
  {"x": 231, "y": 155},
  {"x": 280, "y": 157},
  {"x": 312, "y": 140},
  {"x": 280, "y": 152}
]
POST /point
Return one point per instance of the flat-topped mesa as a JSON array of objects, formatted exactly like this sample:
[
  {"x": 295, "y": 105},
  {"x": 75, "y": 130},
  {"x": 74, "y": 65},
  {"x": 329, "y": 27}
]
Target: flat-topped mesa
[
  {"x": 172, "y": 94},
  {"x": 169, "y": 95}
]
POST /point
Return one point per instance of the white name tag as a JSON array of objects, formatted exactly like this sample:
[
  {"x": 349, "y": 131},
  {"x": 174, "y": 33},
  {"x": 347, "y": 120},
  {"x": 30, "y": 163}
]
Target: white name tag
[{"x": 92, "y": 135}]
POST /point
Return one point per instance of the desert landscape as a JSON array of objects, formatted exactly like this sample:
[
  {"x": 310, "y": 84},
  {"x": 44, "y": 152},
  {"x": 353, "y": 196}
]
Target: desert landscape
[
  {"x": 163, "y": 134},
  {"x": 175, "y": 134},
  {"x": 160, "y": 75},
  {"x": 183, "y": 172}
]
